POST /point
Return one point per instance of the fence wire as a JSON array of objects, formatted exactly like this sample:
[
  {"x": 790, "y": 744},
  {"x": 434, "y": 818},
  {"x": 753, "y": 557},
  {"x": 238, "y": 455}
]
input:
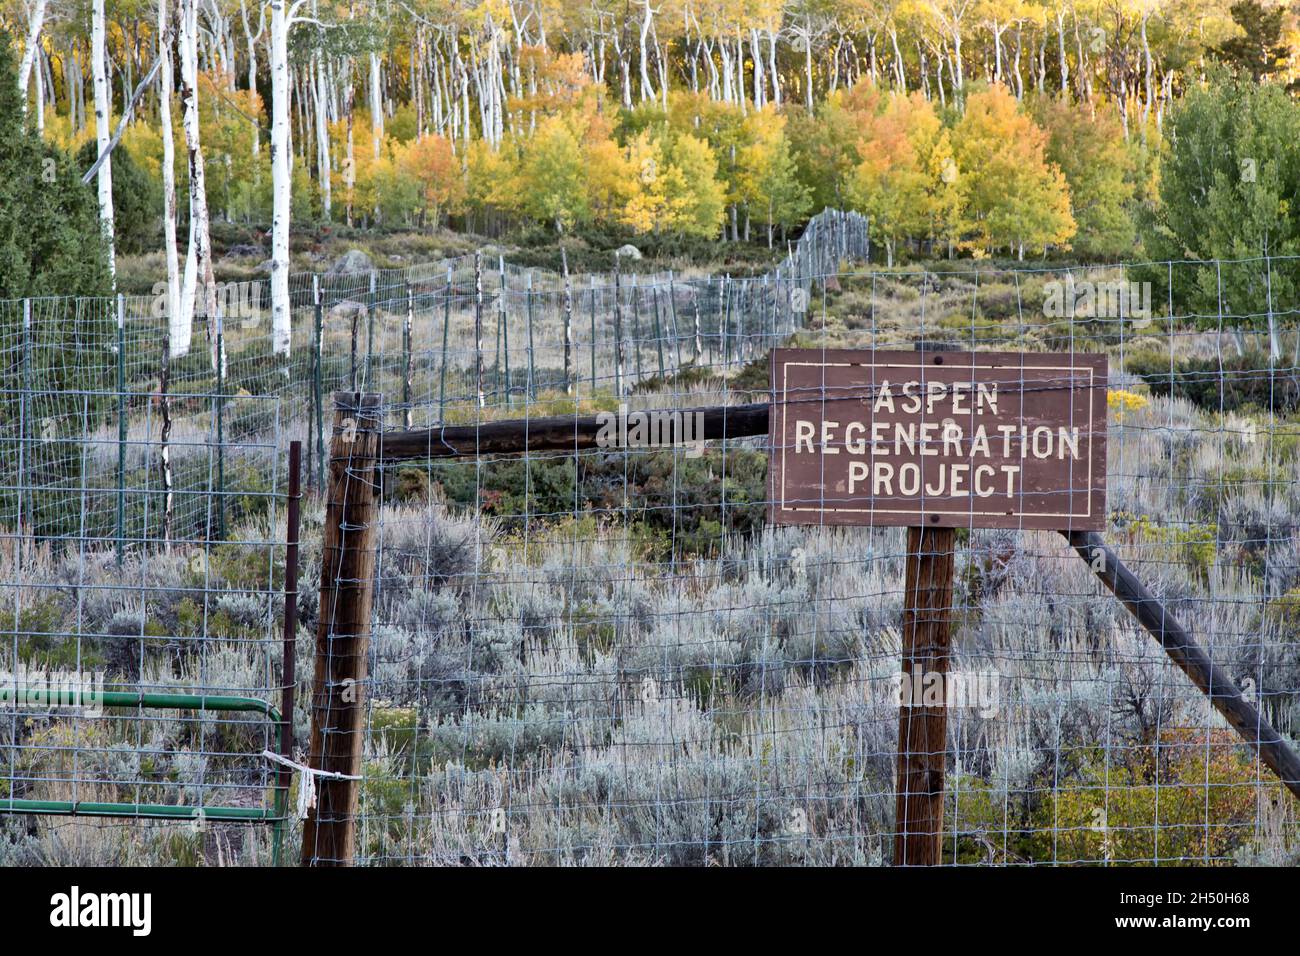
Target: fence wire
[
  {"x": 608, "y": 656},
  {"x": 128, "y": 569}
]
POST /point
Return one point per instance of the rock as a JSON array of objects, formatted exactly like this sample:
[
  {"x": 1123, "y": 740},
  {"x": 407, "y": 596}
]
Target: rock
[
  {"x": 242, "y": 251},
  {"x": 264, "y": 266},
  {"x": 351, "y": 263},
  {"x": 629, "y": 250},
  {"x": 346, "y": 309}
]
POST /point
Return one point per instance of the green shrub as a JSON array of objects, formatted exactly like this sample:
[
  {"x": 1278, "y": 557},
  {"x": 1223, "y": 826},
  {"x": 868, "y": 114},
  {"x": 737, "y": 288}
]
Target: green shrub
[{"x": 1224, "y": 383}]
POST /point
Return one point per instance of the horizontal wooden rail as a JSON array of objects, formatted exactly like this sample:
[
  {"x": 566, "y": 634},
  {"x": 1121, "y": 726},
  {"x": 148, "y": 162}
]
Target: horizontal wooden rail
[{"x": 556, "y": 433}]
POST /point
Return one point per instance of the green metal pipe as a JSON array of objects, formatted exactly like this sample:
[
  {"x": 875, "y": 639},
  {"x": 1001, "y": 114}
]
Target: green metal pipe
[
  {"x": 160, "y": 701},
  {"x": 163, "y": 811}
]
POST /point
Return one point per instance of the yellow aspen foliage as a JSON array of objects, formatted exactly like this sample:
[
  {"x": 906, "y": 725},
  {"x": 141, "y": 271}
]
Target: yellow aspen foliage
[
  {"x": 433, "y": 168},
  {"x": 907, "y": 178},
  {"x": 1014, "y": 197}
]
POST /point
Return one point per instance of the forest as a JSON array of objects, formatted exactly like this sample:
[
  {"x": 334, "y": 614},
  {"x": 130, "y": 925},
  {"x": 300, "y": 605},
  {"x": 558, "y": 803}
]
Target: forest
[{"x": 1006, "y": 128}]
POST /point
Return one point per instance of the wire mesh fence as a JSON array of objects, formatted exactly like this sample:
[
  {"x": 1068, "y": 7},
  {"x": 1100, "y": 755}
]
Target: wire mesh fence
[
  {"x": 140, "y": 603},
  {"x": 606, "y": 655}
]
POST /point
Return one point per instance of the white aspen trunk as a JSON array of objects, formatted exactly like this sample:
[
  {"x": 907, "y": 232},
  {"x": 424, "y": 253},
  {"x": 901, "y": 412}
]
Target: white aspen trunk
[
  {"x": 1020, "y": 80},
  {"x": 376, "y": 104},
  {"x": 40, "y": 92},
  {"x": 198, "y": 265},
  {"x": 647, "y": 87},
  {"x": 323, "y": 141},
  {"x": 252, "y": 39},
  {"x": 807, "y": 68},
  {"x": 350, "y": 159},
  {"x": 1149, "y": 78},
  {"x": 198, "y": 261},
  {"x": 281, "y": 179},
  {"x": 740, "y": 75},
  {"x": 900, "y": 76},
  {"x": 760, "y": 86},
  {"x": 465, "y": 126},
  {"x": 103, "y": 132},
  {"x": 960, "y": 78},
  {"x": 35, "y": 21},
  {"x": 438, "y": 92},
  {"x": 79, "y": 86},
  {"x": 715, "y": 90},
  {"x": 725, "y": 51},
  {"x": 179, "y": 322},
  {"x": 625, "y": 77},
  {"x": 938, "y": 78},
  {"x": 662, "y": 59},
  {"x": 1060, "y": 51}
]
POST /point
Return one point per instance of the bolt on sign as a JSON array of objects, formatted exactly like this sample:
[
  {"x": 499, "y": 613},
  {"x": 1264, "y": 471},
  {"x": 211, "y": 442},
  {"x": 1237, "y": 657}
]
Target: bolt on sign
[{"x": 940, "y": 439}]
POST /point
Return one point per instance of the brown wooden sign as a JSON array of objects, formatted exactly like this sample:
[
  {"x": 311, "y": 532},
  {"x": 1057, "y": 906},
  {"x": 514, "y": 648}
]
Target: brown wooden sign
[{"x": 938, "y": 439}]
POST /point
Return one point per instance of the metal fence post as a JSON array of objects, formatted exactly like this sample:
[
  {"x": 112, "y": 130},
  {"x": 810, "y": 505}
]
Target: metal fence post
[
  {"x": 318, "y": 357},
  {"x": 478, "y": 326},
  {"x": 289, "y": 646},
  {"x": 503, "y": 332},
  {"x": 672, "y": 317},
  {"x": 618, "y": 329},
  {"x": 658, "y": 330},
  {"x": 698, "y": 344},
  {"x": 121, "y": 426},
  {"x": 568, "y": 324},
  {"x": 636, "y": 327},
  {"x": 528, "y": 318},
  {"x": 406, "y": 356},
  {"x": 593, "y": 333},
  {"x": 221, "y": 429},
  {"x": 373, "y": 305},
  {"x": 446, "y": 328},
  {"x": 24, "y": 426}
]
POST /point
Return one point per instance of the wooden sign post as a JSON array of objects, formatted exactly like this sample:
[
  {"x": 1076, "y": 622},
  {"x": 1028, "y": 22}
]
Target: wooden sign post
[
  {"x": 922, "y": 729},
  {"x": 935, "y": 441}
]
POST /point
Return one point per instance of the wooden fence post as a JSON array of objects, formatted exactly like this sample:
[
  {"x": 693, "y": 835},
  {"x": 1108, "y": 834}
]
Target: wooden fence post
[
  {"x": 922, "y": 730},
  {"x": 343, "y": 632}
]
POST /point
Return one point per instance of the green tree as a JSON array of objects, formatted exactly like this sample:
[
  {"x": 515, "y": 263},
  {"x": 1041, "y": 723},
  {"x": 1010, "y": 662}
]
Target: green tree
[
  {"x": 694, "y": 197},
  {"x": 1101, "y": 170},
  {"x": 1258, "y": 51},
  {"x": 767, "y": 180},
  {"x": 137, "y": 200},
  {"x": 1013, "y": 196},
  {"x": 50, "y": 237},
  {"x": 826, "y": 145},
  {"x": 51, "y": 243},
  {"x": 551, "y": 177},
  {"x": 1228, "y": 184}
]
